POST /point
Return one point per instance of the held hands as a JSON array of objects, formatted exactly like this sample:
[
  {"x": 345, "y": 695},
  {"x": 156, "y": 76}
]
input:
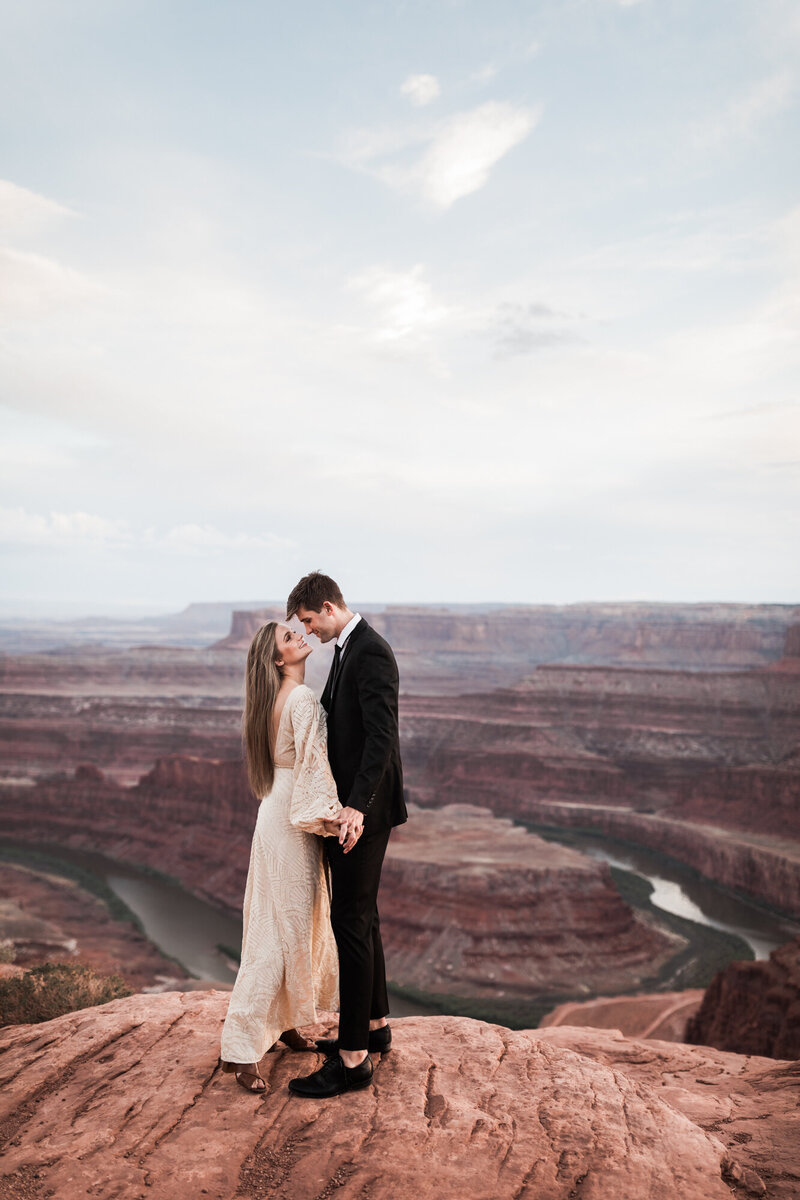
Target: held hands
[{"x": 351, "y": 826}]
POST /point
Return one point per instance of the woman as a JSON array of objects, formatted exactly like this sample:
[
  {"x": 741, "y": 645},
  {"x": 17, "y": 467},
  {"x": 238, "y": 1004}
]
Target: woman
[{"x": 289, "y": 963}]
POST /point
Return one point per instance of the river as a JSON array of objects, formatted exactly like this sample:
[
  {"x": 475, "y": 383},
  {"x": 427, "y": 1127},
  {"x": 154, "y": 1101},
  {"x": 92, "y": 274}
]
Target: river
[
  {"x": 682, "y": 891},
  {"x": 180, "y": 924},
  {"x": 191, "y": 930}
]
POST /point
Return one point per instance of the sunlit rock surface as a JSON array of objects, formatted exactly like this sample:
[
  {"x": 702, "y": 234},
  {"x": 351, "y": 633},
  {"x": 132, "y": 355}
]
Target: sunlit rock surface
[
  {"x": 661, "y": 1015},
  {"x": 126, "y": 1100}
]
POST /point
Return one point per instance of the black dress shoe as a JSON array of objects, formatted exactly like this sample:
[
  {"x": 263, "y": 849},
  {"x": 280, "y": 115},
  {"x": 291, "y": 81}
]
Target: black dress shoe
[
  {"x": 379, "y": 1042},
  {"x": 332, "y": 1078}
]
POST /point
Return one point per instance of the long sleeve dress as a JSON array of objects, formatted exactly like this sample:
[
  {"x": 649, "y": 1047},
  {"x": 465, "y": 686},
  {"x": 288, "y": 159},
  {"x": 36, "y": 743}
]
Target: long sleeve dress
[{"x": 289, "y": 963}]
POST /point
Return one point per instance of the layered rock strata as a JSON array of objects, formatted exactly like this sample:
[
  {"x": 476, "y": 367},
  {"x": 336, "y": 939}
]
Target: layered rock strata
[
  {"x": 50, "y": 919},
  {"x": 471, "y": 905},
  {"x": 476, "y": 906},
  {"x": 446, "y": 648},
  {"x": 117, "y": 712},
  {"x": 126, "y": 1100},
  {"x": 189, "y": 818},
  {"x": 702, "y": 766},
  {"x": 705, "y": 768},
  {"x": 753, "y": 1008},
  {"x": 698, "y": 746}
]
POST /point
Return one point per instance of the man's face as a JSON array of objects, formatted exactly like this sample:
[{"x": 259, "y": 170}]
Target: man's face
[{"x": 324, "y": 624}]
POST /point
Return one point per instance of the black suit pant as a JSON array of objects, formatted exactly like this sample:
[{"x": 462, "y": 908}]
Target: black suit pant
[{"x": 355, "y": 878}]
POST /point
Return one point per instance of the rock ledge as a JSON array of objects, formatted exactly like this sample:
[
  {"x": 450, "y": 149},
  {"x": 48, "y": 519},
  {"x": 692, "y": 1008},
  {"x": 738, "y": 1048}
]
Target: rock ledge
[{"x": 126, "y": 1101}]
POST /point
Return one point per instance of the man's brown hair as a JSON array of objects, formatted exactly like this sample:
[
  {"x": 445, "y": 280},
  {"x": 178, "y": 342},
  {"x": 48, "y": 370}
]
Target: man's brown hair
[{"x": 311, "y": 592}]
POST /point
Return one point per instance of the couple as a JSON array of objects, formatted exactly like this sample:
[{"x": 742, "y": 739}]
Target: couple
[{"x": 336, "y": 808}]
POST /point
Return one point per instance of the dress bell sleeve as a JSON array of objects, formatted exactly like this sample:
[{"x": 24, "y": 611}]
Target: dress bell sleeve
[{"x": 314, "y": 797}]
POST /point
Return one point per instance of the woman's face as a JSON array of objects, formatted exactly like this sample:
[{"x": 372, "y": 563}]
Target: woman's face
[{"x": 290, "y": 647}]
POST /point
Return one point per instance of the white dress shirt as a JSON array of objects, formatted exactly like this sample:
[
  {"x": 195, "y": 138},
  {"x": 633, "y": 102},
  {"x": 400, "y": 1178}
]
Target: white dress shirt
[{"x": 345, "y": 634}]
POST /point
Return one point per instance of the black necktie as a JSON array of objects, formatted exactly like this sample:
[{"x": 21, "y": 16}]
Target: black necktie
[{"x": 337, "y": 654}]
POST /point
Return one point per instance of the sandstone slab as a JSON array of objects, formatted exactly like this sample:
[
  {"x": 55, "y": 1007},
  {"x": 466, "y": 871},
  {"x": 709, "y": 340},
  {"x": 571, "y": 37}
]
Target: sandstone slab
[
  {"x": 126, "y": 1101},
  {"x": 661, "y": 1015}
]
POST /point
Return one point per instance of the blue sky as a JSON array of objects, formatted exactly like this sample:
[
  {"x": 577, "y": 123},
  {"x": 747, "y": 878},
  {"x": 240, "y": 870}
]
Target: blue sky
[{"x": 457, "y": 301}]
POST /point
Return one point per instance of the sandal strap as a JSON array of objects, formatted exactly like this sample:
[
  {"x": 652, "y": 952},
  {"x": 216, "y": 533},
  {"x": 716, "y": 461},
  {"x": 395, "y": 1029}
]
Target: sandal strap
[{"x": 252, "y": 1075}]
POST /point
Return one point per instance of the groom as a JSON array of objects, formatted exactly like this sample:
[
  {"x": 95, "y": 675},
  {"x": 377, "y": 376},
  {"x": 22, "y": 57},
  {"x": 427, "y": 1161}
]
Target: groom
[{"x": 360, "y": 699}]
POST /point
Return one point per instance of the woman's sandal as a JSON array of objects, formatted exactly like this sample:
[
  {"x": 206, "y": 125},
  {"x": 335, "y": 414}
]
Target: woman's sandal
[
  {"x": 296, "y": 1041},
  {"x": 241, "y": 1072}
]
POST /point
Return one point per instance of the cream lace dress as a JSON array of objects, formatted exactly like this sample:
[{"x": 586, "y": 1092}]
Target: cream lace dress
[{"x": 289, "y": 964}]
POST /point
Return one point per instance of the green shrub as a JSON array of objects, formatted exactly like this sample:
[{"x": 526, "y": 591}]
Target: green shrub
[
  {"x": 7, "y": 951},
  {"x": 52, "y": 989}
]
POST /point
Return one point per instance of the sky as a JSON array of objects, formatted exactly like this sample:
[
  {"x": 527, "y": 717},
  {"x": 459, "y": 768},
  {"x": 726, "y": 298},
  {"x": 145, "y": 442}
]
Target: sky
[{"x": 453, "y": 300}]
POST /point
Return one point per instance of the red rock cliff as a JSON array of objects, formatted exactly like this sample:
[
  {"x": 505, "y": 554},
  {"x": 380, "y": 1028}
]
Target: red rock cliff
[
  {"x": 753, "y": 1007},
  {"x": 476, "y": 906}
]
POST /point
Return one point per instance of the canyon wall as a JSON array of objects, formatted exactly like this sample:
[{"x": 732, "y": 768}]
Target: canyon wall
[
  {"x": 471, "y": 905},
  {"x": 753, "y": 1008},
  {"x": 716, "y": 747},
  {"x": 476, "y": 906},
  {"x": 450, "y": 650}
]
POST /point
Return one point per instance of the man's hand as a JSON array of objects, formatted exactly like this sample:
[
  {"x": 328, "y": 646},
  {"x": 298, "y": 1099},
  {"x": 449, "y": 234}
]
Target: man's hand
[{"x": 351, "y": 826}]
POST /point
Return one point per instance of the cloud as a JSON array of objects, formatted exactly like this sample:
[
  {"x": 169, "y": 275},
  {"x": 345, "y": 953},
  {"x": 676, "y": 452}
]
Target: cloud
[
  {"x": 721, "y": 239},
  {"x": 199, "y": 539},
  {"x": 743, "y": 115},
  {"x": 73, "y": 530},
  {"x": 485, "y": 74},
  {"x": 459, "y": 159},
  {"x": 32, "y": 285},
  {"x": 754, "y": 410},
  {"x": 23, "y": 211},
  {"x": 404, "y": 301},
  {"x": 21, "y": 528},
  {"x": 460, "y": 152},
  {"x": 526, "y": 328},
  {"x": 421, "y": 89}
]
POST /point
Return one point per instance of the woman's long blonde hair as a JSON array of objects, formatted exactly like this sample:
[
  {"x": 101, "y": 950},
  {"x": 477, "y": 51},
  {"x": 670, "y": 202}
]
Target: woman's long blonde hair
[{"x": 262, "y": 684}]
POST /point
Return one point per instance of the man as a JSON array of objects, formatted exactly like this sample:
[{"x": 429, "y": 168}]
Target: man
[{"x": 360, "y": 699}]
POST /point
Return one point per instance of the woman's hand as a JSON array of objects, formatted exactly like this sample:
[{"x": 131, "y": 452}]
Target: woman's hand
[{"x": 351, "y": 826}]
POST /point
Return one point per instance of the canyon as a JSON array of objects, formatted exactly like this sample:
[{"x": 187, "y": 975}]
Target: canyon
[
  {"x": 472, "y": 648},
  {"x": 472, "y": 905},
  {"x": 135, "y": 752},
  {"x": 46, "y": 918},
  {"x": 477, "y": 907},
  {"x": 701, "y": 766}
]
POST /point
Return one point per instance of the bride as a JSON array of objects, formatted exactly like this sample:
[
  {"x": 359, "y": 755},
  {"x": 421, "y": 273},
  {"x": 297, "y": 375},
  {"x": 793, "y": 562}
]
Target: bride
[{"x": 289, "y": 962}]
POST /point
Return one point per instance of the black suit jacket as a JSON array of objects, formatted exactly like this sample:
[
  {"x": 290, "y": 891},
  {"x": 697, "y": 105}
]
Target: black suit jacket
[{"x": 363, "y": 735}]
